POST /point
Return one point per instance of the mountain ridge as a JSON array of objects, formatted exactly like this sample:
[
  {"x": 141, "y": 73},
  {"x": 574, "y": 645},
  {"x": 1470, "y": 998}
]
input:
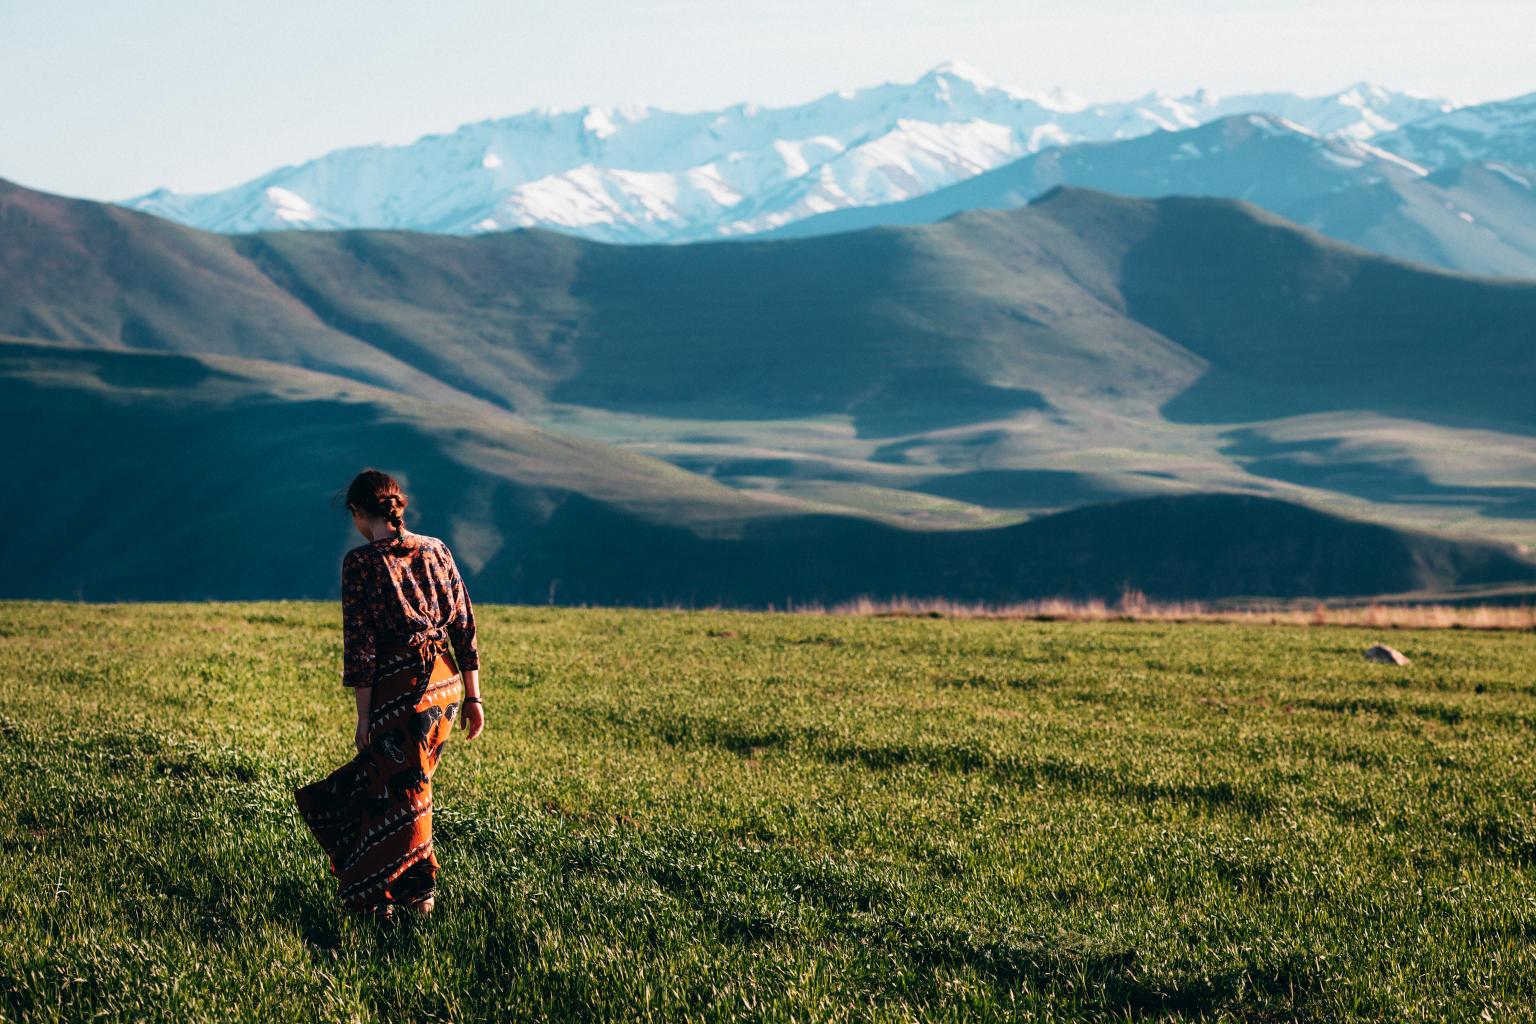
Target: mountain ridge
[
  {"x": 1003, "y": 366},
  {"x": 1473, "y": 218},
  {"x": 1001, "y": 298},
  {"x": 635, "y": 174}
]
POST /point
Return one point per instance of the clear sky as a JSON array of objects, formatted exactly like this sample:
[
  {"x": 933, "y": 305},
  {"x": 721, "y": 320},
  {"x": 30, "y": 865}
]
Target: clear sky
[{"x": 110, "y": 98}]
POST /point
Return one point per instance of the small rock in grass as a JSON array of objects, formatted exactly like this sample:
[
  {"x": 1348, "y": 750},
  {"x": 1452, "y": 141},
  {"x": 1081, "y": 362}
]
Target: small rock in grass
[{"x": 1386, "y": 655}]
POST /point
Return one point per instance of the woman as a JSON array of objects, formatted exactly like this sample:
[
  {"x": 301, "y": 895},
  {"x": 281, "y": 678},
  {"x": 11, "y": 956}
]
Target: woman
[{"x": 403, "y": 607}]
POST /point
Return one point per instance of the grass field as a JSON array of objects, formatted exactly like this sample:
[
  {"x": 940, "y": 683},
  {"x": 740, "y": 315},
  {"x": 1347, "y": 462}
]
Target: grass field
[{"x": 724, "y": 816}]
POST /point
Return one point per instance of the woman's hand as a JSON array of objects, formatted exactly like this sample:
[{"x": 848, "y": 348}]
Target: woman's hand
[
  {"x": 473, "y": 719},
  {"x": 361, "y": 739}
]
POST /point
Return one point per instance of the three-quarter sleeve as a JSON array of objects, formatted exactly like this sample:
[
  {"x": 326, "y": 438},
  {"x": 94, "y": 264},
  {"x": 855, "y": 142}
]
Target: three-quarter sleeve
[
  {"x": 461, "y": 625},
  {"x": 357, "y": 640}
]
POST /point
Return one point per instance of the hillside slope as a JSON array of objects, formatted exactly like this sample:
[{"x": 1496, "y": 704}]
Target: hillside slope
[
  {"x": 1200, "y": 305},
  {"x": 93, "y": 273},
  {"x": 155, "y": 476},
  {"x": 993, "y": 368},
  {"x": 163, "y": 475}
]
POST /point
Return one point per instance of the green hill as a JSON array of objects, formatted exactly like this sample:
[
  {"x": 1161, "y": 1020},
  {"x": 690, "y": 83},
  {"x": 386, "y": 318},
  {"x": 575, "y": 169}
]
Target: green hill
[
  {"x": 1202, "y": 305},
  {"x": 823, "y": 395},
  {"x": 153, "y": 475},
  {"x": 171, "y": 477}
]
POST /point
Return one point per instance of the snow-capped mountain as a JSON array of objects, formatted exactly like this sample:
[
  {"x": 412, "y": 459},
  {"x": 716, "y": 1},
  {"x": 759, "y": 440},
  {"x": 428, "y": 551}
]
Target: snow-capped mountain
[
  {"x": 1264, "y": 158},
  {"x": 1503, "y": 131},
  {"x": 638, "y": 174},
  {"x": 1476, "y": 217}
]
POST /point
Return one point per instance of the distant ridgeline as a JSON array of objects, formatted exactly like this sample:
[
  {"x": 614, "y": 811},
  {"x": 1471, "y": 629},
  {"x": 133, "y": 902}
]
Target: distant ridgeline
[
  {"x": 1466, "y": 208},
  {"x": 1399, "y": 173},
  {"x": 1189, "y": 397}
]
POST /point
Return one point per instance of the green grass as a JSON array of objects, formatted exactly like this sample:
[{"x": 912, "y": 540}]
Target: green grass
[{"x": 741, "y": 816}]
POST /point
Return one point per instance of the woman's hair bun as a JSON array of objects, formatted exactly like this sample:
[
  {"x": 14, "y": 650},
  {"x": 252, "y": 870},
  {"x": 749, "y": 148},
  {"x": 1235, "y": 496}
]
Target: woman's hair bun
[{"x": 377, "y": 494}]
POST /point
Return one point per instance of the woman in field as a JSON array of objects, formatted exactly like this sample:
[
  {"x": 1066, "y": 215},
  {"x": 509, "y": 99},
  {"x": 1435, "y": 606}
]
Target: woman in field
[{"x": 409, "y": 656}]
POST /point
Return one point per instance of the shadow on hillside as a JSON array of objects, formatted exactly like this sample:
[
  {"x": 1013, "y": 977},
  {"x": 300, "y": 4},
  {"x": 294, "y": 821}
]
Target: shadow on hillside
[{"x": 1319, "y": 463}]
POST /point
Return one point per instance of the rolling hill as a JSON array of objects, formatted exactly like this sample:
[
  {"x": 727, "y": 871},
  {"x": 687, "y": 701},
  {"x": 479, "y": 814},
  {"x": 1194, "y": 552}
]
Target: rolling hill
[
  {"x": 1205, "y": 309},
  {"x": 169, "y": 477},
  {"x": 158, "y": 475},
  {"x": 816, "y": 399}
]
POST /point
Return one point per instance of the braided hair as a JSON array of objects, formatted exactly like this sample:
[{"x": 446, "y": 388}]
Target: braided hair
[{"x": 377, "y": 494}]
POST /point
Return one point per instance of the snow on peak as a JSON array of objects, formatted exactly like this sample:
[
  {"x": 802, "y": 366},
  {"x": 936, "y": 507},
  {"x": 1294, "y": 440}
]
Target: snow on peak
[
  {"x": 961, "y": 71},
  {"x": 1506, "y": 172},
  {"x": 599, "y": 122},
  {"x": 1300, "y": 129},
  {"x": 290, "y": 206},
  {"x": 944, "y": 79},
  {"x": 1392, "y": 158},
  {"x": 1274, "y": 124},
  {"x": 1362, "y": 94},
  {"x": 632, "y": 173}
]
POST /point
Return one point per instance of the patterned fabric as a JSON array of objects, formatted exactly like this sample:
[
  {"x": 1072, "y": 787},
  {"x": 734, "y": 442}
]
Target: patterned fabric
[
  {"x": 373, "y": 815},
  {"x": 406, "y": 597}
]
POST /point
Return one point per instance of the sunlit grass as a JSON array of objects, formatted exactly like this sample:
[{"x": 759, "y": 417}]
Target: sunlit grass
[
  {"x": 1134, "y": 607},
  {"x": 719, "y": 815}
]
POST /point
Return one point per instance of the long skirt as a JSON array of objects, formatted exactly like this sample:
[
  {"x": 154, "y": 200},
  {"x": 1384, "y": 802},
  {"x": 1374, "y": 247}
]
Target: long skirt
[{"x": 373, "y": 815}]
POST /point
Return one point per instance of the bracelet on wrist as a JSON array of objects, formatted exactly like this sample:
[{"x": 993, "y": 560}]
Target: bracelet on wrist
[{"x": 471, "y": 700}]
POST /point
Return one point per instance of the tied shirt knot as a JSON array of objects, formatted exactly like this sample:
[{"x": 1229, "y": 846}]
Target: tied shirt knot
[
  {"x": 433, "y": 636},
  {"x": 429, "y": 644}
]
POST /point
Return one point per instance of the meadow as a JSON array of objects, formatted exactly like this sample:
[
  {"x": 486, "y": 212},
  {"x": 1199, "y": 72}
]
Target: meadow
[{"x": 712, "y": 815}]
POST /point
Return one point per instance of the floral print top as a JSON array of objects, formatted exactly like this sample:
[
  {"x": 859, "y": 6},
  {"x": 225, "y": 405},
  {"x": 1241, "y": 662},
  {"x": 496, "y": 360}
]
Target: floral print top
[{"x": 387, "y": 596}]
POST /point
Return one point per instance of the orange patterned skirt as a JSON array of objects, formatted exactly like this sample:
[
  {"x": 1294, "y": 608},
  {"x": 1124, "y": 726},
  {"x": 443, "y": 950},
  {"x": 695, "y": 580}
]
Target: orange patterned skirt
[{"x": 373, "y": 815}]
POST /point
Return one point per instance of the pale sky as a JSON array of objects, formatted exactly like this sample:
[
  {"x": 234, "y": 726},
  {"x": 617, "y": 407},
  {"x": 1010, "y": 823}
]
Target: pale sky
[{"x": 110, "y": 98}]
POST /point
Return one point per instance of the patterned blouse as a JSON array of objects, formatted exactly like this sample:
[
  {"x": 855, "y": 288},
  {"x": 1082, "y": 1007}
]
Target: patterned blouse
[{"x": 390, "y": 596}]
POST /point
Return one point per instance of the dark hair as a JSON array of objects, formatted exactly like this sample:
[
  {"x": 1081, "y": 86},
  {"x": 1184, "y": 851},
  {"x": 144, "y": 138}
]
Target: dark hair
[{"x": 376, "y": 494}]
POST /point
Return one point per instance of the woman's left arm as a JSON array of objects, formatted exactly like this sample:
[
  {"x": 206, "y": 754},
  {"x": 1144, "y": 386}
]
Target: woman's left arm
[
  {"x": 461, "y": 626},
  {"x": 466, "y": 650}
]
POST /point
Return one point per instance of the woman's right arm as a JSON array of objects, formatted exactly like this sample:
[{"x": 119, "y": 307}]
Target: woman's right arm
[{"x": 472, "y": 718}]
